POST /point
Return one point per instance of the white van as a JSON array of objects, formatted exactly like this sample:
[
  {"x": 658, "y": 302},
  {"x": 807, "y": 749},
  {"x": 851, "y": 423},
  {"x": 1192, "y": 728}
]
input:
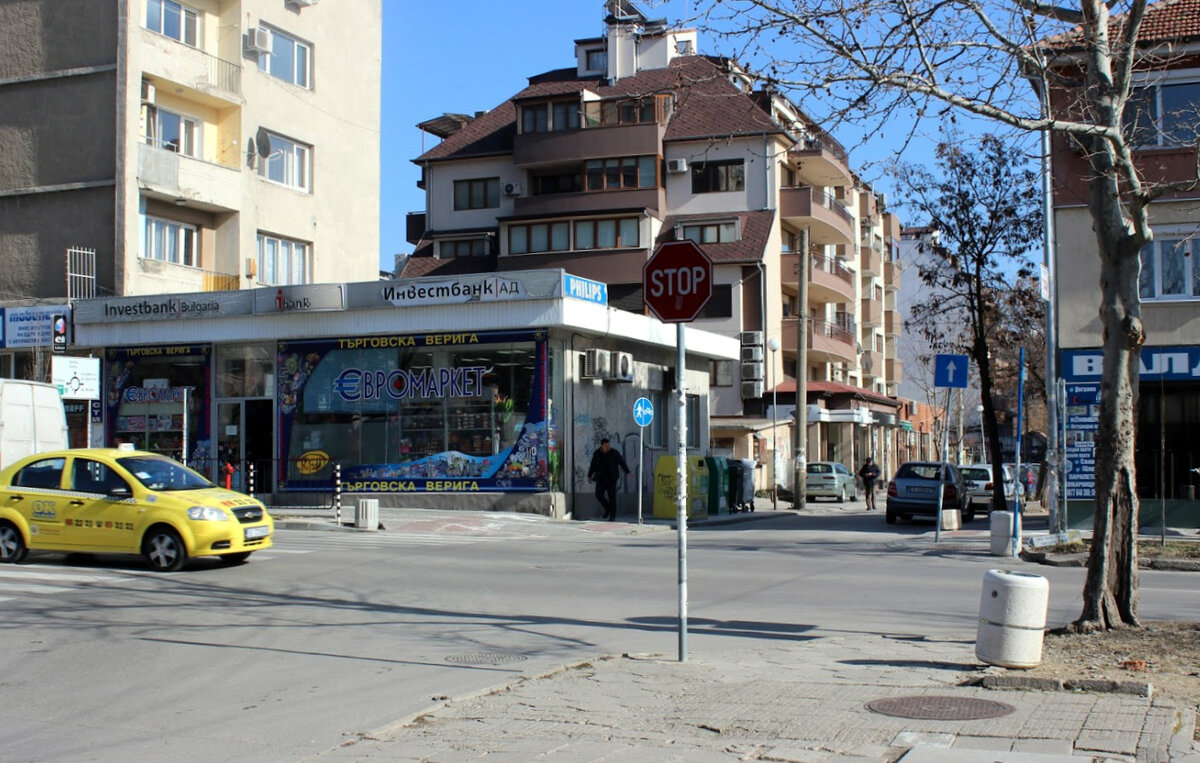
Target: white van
[{"x": 32, "y": 419}]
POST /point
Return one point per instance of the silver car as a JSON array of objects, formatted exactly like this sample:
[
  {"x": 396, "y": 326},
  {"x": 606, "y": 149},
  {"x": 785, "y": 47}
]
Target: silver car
[
  {"x": 914, "y": 491},
  {"x": 979, "y": 485},
  {"x": 830, "y": 479}
]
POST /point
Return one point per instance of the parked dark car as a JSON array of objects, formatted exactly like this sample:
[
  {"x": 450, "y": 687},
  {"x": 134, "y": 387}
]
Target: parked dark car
[{"x": 914, "y": 491}]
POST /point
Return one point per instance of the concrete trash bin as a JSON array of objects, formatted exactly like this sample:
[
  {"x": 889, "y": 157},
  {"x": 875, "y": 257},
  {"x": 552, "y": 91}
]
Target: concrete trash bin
[
  {"x": 951, "y": 519},
  {"x": 1012, "y": 618},
  {"x": 366, "y": 513},
  {"x": 1002, "y": 533}
]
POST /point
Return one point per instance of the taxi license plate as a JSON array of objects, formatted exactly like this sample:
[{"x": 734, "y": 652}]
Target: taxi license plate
[
  {"x": 256, "y": 532},
  {"x": 920, "y": 490}
]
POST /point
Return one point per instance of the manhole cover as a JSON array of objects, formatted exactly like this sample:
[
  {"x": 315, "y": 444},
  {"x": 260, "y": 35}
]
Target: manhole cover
[
  {"x": 486, "y": 658},
  {"x": 940, "y": 708}
]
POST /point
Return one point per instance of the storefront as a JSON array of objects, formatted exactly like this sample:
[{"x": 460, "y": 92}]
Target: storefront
[{"x": 475, "y": 386}]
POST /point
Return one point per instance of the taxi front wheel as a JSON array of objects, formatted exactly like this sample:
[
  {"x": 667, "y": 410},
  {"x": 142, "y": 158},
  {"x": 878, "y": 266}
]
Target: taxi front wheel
[
  {"x": 232, "y": 560},
  {"x": 164, "y": 550},
  {"x": 12, "y": 545}
]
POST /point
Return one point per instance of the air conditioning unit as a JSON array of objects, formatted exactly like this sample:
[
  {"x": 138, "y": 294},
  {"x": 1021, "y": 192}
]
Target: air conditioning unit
[
  {"x": 752, "y": 371},
  {"x": 597, "y": 364},
  {"x": 677, "y": 166},
  {"x": 512, "y": 189},
  {"x": 752, "y": 389},
  {"x": 147, "y": 91},
  {"x": 751, "y": 337},
  {"x": 303, "y": 3},
  {"x": 621, "y": 367},
  {"x": 258, "y": 40},
  {"x": 752, "y": 352}
]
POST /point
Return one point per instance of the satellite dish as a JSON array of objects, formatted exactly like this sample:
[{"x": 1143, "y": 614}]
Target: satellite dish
[
  {"x": 263, "y": 140},
  {"x": 250, "y": 153}
]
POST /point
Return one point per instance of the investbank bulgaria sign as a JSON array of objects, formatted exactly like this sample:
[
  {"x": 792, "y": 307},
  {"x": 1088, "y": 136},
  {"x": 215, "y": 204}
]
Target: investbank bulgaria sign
[{"x": 419, "y": 292}]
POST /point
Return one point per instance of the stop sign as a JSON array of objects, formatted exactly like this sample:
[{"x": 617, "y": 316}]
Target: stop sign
[{"x": 677, "y": 281}]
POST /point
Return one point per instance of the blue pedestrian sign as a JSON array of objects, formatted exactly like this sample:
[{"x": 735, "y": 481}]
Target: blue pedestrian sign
[
  {"x": 951, "y": 371},
  {"x": 643, "y": 412}
]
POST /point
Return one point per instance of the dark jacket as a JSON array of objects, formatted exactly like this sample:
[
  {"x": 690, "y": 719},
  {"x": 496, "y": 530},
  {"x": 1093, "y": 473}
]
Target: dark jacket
[
  {"x": 606, "y": 467},
  {"x": 869, "y": 471}
]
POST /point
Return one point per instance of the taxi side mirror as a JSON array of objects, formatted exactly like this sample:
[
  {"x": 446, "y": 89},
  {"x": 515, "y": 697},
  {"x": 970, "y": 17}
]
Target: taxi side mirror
[{"x": 119, "y": 492}]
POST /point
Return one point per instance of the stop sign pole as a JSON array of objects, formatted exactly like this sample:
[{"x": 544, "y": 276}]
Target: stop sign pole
[{"x": 676, "y": 285}]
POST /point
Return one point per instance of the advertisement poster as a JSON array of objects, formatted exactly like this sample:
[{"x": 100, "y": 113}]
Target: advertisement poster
[
  {"x": 454, "y": 412},
  {"x": 1082, "y": 421}
]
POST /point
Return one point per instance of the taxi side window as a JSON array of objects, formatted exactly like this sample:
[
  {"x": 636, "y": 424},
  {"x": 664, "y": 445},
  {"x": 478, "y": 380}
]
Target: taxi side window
[
  {"x": 94, "y": 477},
  {"x": 46, "y": 473}
]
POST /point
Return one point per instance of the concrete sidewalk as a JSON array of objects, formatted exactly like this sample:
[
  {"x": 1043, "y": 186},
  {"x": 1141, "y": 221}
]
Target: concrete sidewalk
[{"x": 800, "y": 701}]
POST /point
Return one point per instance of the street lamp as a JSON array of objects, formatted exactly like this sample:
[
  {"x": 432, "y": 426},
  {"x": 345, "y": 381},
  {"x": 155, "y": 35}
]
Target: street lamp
[
  {"x": 773, "y": 346},
  {"x": 982, "y": 436}
]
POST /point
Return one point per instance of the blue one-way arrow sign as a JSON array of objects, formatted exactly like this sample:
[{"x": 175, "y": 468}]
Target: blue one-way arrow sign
[{"x": 950, "y": 371}]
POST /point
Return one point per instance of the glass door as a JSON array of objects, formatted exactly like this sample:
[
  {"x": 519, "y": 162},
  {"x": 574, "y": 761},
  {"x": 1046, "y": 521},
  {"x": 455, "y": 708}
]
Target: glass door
[{"x": 231, "y": 470}]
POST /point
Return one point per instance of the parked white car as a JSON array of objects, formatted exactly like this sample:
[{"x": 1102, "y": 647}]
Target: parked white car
[{"x": 979, "y": 485}]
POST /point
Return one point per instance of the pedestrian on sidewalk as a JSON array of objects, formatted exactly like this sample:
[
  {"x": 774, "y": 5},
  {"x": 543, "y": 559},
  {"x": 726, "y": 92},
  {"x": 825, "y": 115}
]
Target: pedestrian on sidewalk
[
  {"x": 605, "y": 470},
  {"x": 869, "y": 473}
]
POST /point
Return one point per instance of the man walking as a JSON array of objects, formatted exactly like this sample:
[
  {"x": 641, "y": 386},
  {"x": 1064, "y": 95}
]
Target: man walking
[
  {"x": 605, "y": 470},
  {"x": 869, "y": 473}
]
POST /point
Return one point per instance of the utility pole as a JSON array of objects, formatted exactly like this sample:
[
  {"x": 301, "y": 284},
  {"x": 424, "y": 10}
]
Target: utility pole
[{"x": 799, "y": 489}]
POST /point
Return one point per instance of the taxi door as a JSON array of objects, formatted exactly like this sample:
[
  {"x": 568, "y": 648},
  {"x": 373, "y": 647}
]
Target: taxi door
[
  {"x": 36, "y": 494},
  {"x": 100, "y": 509}
]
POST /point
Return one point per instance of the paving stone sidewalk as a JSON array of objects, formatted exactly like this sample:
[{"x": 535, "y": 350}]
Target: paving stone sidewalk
[{"x": 797, "y": 702}]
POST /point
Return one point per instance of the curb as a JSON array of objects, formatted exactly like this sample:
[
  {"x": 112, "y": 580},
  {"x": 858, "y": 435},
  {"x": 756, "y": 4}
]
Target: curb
[
  {"x": 1098, "y": 685},
  {"x": 1080, "y": 560}
]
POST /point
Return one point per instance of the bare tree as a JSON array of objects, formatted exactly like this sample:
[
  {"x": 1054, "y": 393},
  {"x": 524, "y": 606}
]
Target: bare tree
[
  {"x": 984, "y": 204},
  {"x": 1061, "y": 69}
]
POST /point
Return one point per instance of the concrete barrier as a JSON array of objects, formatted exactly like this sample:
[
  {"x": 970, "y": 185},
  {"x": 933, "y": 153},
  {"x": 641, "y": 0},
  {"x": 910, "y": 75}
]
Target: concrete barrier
[
  {"x": 1002, "y": 532},
  {"x": 366, "y": 513},
  {"x": 1012, "y": 618}
]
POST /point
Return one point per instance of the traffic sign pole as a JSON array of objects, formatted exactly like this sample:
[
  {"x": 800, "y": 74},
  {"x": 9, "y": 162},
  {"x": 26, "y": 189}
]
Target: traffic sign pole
[
  {"x": 681, "y": 518},
  {"x": 643, "y": 414}
]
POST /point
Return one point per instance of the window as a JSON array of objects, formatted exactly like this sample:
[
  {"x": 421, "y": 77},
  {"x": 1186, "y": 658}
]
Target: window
[
  {"x": 1167, "y": 114},
  {"x": 89, "y": 476},
  {"x": 693, "y": 421},
  {"x": 627, "y": 111},
  {"x": 288, "y": 163},
  {"x": 173, "y": 20},
  {"x": 175, "y": 132},
  {"x": 721, "y": 304},
  {"x": 597, "y": 60},
  {"x": 548, "y": 117},
  {"x": 720, "y": 373},
  {"x": 1169, "y": 271},
  {"x": 281, "y": 261},
  {"x": 712, "y": 233},
  {"x": 607, "y": 234},
  {"x": 472, "y": 247},
  {"x": 289, "y": 59},
  {"x": 539, "y": 237},
  {"x": 713, "y": 177},
  {"x": 560, "y": 182},
  {"x": 46, "y": 473},
  {"x": 170, "y": 241},
  {"x": 480, "y": 193},
  {"x": 656, "y": 433},
  {"x": 625, "y": 172}
]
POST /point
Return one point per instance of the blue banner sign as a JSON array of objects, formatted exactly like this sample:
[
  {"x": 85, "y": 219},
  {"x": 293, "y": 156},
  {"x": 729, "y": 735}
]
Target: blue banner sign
[{"x": 1179, "y": 363}]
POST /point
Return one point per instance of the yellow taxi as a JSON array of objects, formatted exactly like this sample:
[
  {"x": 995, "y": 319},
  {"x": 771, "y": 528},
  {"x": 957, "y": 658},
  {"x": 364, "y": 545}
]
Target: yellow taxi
[{"x": 116, "y": 500}]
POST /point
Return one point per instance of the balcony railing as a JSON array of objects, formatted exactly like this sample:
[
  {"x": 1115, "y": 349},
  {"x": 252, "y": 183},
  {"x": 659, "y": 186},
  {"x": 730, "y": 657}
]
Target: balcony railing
[
  {"x": 211, "y": 280},
  {"x": 822, "y": 328},
  {"x": 831, "y": 265},
  {"x": 222, "y": 74}
]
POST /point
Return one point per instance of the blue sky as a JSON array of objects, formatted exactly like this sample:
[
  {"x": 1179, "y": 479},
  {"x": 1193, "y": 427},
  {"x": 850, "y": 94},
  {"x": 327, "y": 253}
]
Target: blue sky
[{"x": 471, "y": 55}]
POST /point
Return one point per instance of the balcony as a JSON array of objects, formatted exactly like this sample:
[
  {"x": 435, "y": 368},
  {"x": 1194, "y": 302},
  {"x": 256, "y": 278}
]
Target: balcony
[
  {"x": 827, "y": 342},
  {"x": 826, "y": 218},
  {"x": 829, "y": 280},
  {"x": 871, "y": 313},
  {"x": 167, "y": 278},
  {"x": 893, "y": 324},
  {"x": 895, "y": 371},
  {"x": 891, "y": 275},
  {"x": 823, "y": 161},
  {"x": 574, "y": 146},
  {"x": 166, "y": 175},
  {"x": 212, "y": 81},
  {"x": 870, "y": 260},
  {"x": 872, "y": 364},
  {"x": 589, "y": 202}
]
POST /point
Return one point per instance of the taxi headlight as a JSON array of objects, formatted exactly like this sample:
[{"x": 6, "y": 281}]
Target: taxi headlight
[{"x": 207, "y": 514}]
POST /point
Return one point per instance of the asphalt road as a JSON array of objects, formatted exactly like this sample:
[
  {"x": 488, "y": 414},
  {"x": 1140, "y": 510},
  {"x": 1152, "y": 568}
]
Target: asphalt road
[{"x": 333, "y": 633}]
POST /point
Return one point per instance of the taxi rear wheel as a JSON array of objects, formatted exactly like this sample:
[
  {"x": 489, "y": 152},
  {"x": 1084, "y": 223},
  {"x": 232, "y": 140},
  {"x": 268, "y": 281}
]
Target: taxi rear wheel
[
  {"x": 12, "y": 545},
  {"x": 164, "y": 550}
]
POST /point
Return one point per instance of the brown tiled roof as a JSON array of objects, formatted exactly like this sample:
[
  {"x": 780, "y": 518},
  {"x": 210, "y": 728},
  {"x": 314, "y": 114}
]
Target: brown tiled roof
[
  {"x": 1164, "y": 21},
  {"x": 707, "y": 105},
  {"x": 756, "y": 230},
  {"x": 416, "y": 267}
]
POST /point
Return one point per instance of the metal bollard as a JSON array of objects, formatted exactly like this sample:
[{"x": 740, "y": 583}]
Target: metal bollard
[
  {"x": 250, "y": 478},
  {"x": 337, "y": 493}
]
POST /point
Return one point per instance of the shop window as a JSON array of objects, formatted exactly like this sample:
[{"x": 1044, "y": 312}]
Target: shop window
[
  {"x": 245, "y": 371},
  {"x": 148, "y": 390}
]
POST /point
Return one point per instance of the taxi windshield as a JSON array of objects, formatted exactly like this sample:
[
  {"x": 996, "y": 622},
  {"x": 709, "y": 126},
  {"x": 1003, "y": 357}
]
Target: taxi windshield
[{"x": 163, "y": 474}]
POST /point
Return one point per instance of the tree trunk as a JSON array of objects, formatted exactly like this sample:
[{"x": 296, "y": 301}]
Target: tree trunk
[
  {"x": 1110, "y": 591},
  {"x": 982, "y": 360}
]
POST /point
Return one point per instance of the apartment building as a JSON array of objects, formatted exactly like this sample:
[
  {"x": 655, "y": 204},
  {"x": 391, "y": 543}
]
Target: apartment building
[
  {"x": 643, "y": 140},
  {"x": 1162, "y": 122},
  {"x": 206, "y": 145}
]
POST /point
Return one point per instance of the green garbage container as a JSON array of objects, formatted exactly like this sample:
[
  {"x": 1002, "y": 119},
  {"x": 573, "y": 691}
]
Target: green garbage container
[
  {"x": 718, "y": 486},
  {"x": 665, "y": 479}
]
